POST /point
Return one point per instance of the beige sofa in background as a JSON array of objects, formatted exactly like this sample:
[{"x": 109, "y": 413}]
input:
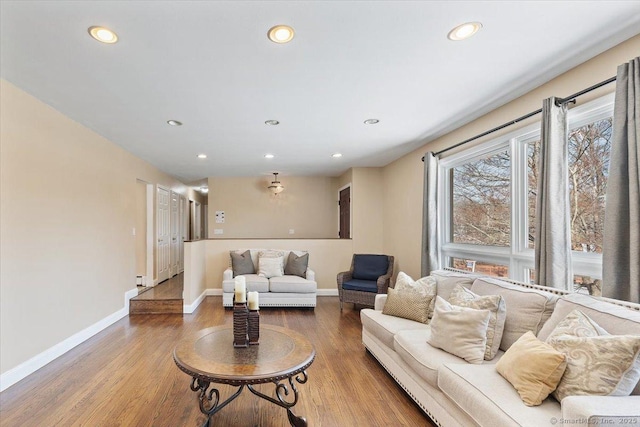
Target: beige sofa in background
[{"x": 453, "y": 392}]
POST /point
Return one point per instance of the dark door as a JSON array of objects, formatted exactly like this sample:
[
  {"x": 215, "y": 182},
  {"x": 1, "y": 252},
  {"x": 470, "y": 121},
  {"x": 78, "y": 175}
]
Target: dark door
[{"x": 345, "y": 213}]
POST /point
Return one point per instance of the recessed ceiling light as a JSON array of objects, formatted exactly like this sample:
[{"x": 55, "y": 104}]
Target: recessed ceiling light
[
  {"x": 272, "y": 122},
  {"x": 281, "y": 34},
  {"x": 269, "y": 156},
  {"x": 464, "y": 31},
  {"x": 103, "y": 34},
  {"x": 371, "y": 121},
  {"x": 336, "y": 155},
  {"x": 202, "y": 156},
  {"x": 174, "y": 123},
  {"x": 204, "y": 190}
]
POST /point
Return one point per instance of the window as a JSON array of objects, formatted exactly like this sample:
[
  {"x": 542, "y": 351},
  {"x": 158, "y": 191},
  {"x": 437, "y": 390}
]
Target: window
[{"x": 488, "y": 196}]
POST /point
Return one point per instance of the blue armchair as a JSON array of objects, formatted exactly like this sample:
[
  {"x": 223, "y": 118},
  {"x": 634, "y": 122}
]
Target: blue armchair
[{"x": 369, "y": 275}]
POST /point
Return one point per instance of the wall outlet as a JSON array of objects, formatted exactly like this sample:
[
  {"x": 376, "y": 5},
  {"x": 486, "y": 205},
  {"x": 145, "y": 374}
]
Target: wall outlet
[
  {"x": 139, "y": 280},
  {"x": 218, "y": 231},
  {"x": 133, "y": 231},
  {"x": 292, "y": 231}
]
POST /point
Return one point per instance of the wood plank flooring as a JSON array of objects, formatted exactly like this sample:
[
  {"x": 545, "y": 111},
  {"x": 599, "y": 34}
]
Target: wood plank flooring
[
  {"x": 126, "y": 376},
  {"x": 165, "y": 297}
]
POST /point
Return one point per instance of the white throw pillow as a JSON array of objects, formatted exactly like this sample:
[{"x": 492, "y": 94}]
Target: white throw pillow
[
  {"x": 425, "y": 286},
  {"x": 271, "y": 264},
  {"x": 495, "y": 303},
  {"x": 460, "y": 331}
]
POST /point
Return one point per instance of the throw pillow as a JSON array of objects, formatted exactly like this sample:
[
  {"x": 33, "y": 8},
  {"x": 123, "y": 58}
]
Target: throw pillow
[
  {"x": 270, "y": 264},
  {"x": 597, "y": 363},
  {"x": 533, "y": 368},
  {"x": 460, "y": 331},
  {"x": 241, "y": 263},
  {"x": 297, "y": 265},
  {"x": 409, "y": 305},
  {"x": 463, "y": 297},
  {"x": 425, "y": 286}
]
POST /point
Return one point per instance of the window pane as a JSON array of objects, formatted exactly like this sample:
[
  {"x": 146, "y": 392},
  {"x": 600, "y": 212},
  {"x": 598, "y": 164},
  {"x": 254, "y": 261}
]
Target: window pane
[
  {"x": 485, "y": 268},
  {"x": 481, "y": 201},
  {"x": 589, "y": 152},
  {"x": 533, "y": 152}
]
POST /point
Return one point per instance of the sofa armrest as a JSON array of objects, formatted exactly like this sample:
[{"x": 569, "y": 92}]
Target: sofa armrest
[
  {"x": 310, "y": 275},
  {"x": 227, "y": 274},
  {"x": 380, "y": 300},
  {"x": 593, "y": 410}
]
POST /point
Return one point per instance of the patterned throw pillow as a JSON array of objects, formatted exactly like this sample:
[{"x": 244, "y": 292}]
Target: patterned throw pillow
[
  {"x": 597, "y": 363},
  {"x": 463, "y": 297},
  {"x": 409, "y": 305},
  {"x": 270, "y": 264},
  {"x": 425, "y": 286}
]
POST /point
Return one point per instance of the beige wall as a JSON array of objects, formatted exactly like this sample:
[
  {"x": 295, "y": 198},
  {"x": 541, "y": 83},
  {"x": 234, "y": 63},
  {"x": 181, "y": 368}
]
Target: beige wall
[
  {"x": 307, "y": 205},
  {"x": 67, "y": 212},
  {"x": 403, "y": 178},
  {"x": 367, "y": 199},
  {"x": 141, "y": 228}
]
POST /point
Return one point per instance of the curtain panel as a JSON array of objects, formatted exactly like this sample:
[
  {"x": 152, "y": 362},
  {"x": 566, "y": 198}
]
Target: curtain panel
[
  {"x": 430, "y": 215},
  {"x": 621, "y": 246},
  {"x": 553, "y": 225}
]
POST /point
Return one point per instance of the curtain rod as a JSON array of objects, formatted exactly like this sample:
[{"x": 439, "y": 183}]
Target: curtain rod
[{"x": 559, "y": 101}]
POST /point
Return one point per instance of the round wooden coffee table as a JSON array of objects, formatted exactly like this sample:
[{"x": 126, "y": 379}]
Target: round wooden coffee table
[{"x": 209, "y": 357}]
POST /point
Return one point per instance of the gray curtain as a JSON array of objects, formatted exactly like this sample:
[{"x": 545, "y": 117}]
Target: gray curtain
[
  {"x": 621, "y": 246},
  {"x": 553, "y": 226},
  {"x": 429, "y": 215}
]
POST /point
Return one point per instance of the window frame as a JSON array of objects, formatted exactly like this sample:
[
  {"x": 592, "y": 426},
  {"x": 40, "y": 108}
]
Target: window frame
[{"x": 518, "y": 256}]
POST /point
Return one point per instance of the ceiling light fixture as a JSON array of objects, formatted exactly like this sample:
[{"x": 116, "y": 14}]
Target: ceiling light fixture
[
  {"x": 204, "y": 190},
  {"x": 281, "y": 34},
  {"x": 202, "y": 156},
  {"x": 336, "y": 155},
  {"x": 371, "y": 121},
  {"x": 103, "y": 34},
  {"x": 276, "y": 187},
  {"x": 269, "y": 156},
  {"x": 272, "y": 122},
  {"x": 464, "y": 31},
  {"x": 174, "y": 123}
]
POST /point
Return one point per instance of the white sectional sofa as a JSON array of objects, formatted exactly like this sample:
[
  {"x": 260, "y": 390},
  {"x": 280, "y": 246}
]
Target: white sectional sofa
[
  {"x": 282, "y": 291},
  {"x": 453, "y": 392}
]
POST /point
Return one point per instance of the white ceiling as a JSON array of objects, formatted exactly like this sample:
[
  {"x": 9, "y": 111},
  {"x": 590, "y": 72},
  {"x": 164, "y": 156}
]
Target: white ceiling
[{"x": 210, "y": 65}]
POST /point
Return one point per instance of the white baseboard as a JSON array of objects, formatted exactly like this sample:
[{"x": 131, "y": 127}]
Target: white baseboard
[
  {"x": 190, "y": 308},
  {"x": 24, "y": 369}
]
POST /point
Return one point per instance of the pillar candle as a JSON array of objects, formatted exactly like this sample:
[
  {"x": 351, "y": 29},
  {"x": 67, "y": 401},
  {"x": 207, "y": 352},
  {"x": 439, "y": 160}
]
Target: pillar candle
[
  {"x": 252, "y": 300},
  {"x": 240, "y": 289}
]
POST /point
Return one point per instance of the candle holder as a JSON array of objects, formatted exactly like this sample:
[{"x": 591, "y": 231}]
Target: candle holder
[
  {"x": 254, "y": 327},
  {"x": 240, "y": 324}
]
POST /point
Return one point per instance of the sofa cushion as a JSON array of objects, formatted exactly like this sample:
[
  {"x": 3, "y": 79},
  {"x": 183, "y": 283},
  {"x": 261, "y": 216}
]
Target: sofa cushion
[
  {"x": 495, "y": 304},
  {"x": 425, "y": 286},
  {"x": 370, "y": 267},
  {"x": 489, "y": 399},
  {"x": 296, "y": 265},
  {"x": 241, "y": 263},
  {"x": 293, "y": 284},
  {"x": 270, "y": 264},
  {"x": 527, "y": 309},
  {"x": 597, "y": 363},
  {"x": 424, "y": 359},
  {"x": 533, "y": 367},
  {"x": 254, "y": 283},
  {"x": 361, "y": 285},
  {"x": 407, "y": 304},
  {"x": 384, "y": 327},
  {"x": 447, "y": 280},
  {"x": 459, "y": 330}
]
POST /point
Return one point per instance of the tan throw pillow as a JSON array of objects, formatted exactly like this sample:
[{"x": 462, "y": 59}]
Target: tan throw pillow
[
  {"x": 460, "y": 331},
  {"x": 270, "y": 264},
  {"x": 425, "y": 286},
  {"x": 533, "y": 368},
  {"x": 408, "y": 305},
  {"x": 463, "y": 297},
  {"x": 598, "y": 364}
]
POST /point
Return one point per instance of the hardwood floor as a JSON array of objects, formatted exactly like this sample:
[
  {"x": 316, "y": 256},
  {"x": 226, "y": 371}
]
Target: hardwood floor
[
  {"x": 126, "y": 376},
  {"x": 165, "y": 297}
]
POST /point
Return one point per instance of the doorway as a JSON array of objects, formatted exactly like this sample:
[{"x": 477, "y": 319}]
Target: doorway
[{"x": 345, "y": 212}]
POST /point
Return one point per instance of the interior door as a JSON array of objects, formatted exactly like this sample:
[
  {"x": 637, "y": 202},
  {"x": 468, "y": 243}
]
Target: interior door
[
  {"x": 345, "y": 213},
  {"x": 163, "y": 231},
  {"x": 183, "y": 224},
  {"x": 175, "y": 245}
]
